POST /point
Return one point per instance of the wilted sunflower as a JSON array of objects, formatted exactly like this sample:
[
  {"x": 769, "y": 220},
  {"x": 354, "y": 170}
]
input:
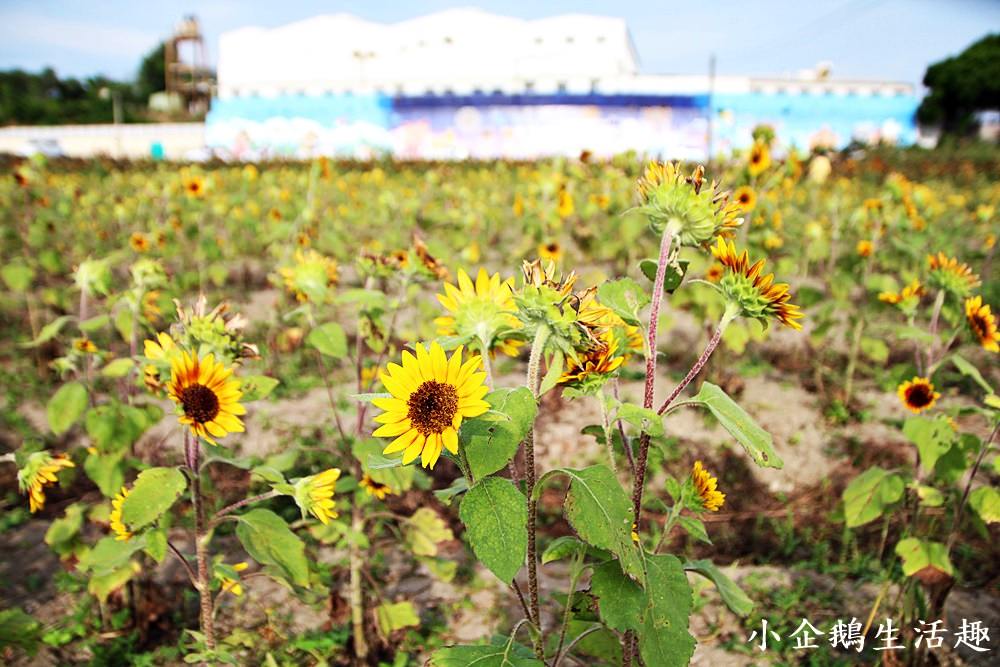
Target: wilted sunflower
[
  {"x": 949, "y": 274},
  {"x": 314, "y": 494},
  {"x": 431, "y": 263},
  {"x": 120, "y": 530},
  {"x": 756, "y": 295},
  {"x": 373, "y": 488},
  {"x": 983, "y": 323},
  {"x": 207, "y": 394},
  {"x": 918, "y": 394},
  {"x": 760, "y": 158},
  {"x": 40, "y": 471},
  {"x": 746, "y": 198},
  {"x": 431, "y": 394},
  {"x": 864, "y": 248},
  {"x": 483, "y": 309},
  {"x": 912, "y": 291},
  {"x": 597, "y": 362},
  {"x": 705, "y": 485},
  {"x": 550, "y": 251}
]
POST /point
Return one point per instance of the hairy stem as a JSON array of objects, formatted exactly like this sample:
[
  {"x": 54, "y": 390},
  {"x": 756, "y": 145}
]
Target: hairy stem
[
  {"x": 357, "y": 599},
  {"x": 191, "y": 447},
  {"x": 228, "y": 509},
  {"x": 534, "y": 364}
]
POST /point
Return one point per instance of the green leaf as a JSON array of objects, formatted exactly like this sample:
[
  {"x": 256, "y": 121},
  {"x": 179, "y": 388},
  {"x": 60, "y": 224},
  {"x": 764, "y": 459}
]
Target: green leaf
[
  {"x": 493, "y": 655},
  {"x": 256, "y": 387},
  {"x": 17, "y": 276},
  {"x": 966, "y": 368},
  {"x": 94, "y": 323},
  {"x": 103, "y": 585},
  {"x": 986, "y": 501},
  {"x": 329, "y": 339},
  {"x": 932, "y": 436},
  {"x": 625, "y": 297},
  {"x": 918, "y": 555},
  {"x": 424, "y": 530},
  {"x": 875, "y": 349},
  {"x": 695, "y": 528},
  {"x": 19, "y": 630},
  {"x": 564, "y": 546},
  {"x": 110, "y": 554},
  {"x": 644, "y": 419},
  {"x": 49, "y": 331},
  {"x": 553, "y": 373},
  {"x": 601, "y": 514},
  {"x": 729, "y": 591},
  {"x": 118, "y": 368},
  {"x": 399, "y": 478},
  {"x": 673, "y": 276},
  {"x": 394, "y": 616},
  {"x": 620, "y": 600},
  {"x": 269, "y": 541},
  {"x": 156, "y": 544},
  {"x": 496, "y": 521},
  {"x": 755, "y": 440},
  {"x": 106, "y": 471},
  {"x": 664, "y": 639},
  {"x": 154, "y": 492},
  {"x": 492, "y": 439},
  {"x": 66, "y": 406},
  {"x": 67, "y": 527},
  {"x": 869, "y": 494}
]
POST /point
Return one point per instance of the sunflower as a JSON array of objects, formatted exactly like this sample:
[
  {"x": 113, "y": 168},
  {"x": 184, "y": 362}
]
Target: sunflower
[
  {"x": 705, "y": 486},
  {"x": 84, "y": 345},
  {"x": 429, "y": 261},
  {"x": 756, "y": 295},
  {"x": 918, "y": 394},
  {"x": 431, "y": 394},
  {"x": 694, "y": 212},
  {"x": 594, "y": 363},
  {"x": 207, "y": 394},
  {"x": 599, "y": 318},
  {"x": 760, "y": 158},
  {"x": 550, "y": 251},
  {"x": 40, "y": 471},
  {"x": 310, "y": 276},
  {"x": 483, "y": 309},
  {"x": 565, "y": 207},
  {"x": 983, "y": 323},
  {"x": 949, "y": 274},
  {"x": 314, "y": 494},
  {"x": 864, "y": 248},
  {"x": 194, "y": 186},
  {"x": 517, "y": 208},
  {"x": 715, "y": 272},
  {"x": 139, "y": 242},
  {"x": 231, "y": 585},
  {"x": 746, "y": 198},
  {"x": 373, "y": 488},
  {"x": 120, "y": 530},
  {"x": 912, "y": 291}
]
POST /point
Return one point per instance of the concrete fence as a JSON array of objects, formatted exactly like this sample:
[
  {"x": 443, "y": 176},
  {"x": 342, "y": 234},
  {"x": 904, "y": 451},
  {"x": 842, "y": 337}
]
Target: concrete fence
[{"x": 167, "y": 140}]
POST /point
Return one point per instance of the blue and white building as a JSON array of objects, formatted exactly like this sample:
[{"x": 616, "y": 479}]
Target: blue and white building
[{"x": 467, "y": 83}]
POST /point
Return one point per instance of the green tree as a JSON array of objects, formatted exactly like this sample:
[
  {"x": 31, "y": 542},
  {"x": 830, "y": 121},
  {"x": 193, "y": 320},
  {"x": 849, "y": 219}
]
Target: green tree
[
  {"x": 962, "y": 85},
  {"x": 152, "y": 76}
]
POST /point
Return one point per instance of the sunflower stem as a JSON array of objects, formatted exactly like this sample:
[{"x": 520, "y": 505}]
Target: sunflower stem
[
  {"x": 534, "y": 363},
  {"x": 200, "y": 542},
  {"x": 357, "y": 598},
  {"x": 713, "y": 343},
  {"x": 606, "y": 425},
  {"x": 968, "y": 487}
]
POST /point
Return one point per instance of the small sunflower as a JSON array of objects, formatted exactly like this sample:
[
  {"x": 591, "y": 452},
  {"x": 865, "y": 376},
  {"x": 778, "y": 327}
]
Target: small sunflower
[
  {"x": 207, "y": 394},
  {"x": 918, "y": 394},
  {"x": 230, "y": 585},
  {"x": 912, "y": 291},
  {"x": 517, "y": 208},
  {"x": 715, "y": 272},
  {"x": 550, "y": 251},
  {"x": 84, "y": 345},
  {"x": 484, "y": 309},
  {"x": 194, "y": 186},
  {"x": 120, "y": 530},
  {"x": 40, "y": 471},
  {"x": 949, "y": 274},
  {"x": 760, "y": 158},
  {"x": 597, "y": 362},
  {"x": 864, "y": 248},
  {"x": 756, "y": 295},
  {"x": 565, "y": 207},
  {"x": 705, "y": 485},
  {"x": 746, "y": 198},
  {"x": 373, "y": 488},
  {"x": 431, "y": 395},
  {"x": 314, "y": 494},
  {"x": 139, "y": 242},
  {"x": 983, "y": 323}
]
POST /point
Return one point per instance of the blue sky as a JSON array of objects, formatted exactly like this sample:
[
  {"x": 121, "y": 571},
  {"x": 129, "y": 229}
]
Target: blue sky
[{"x": 872, "y": 39}]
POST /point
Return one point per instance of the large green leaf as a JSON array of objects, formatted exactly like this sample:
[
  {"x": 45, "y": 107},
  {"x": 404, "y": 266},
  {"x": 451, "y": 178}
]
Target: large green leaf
[
  {"x": 66, "y": 406},
  {"x": 621, "y": 601},
  {"x": 496, "y": 520},
  {"x": 869, "y": 494},
  {"x": 109, "y": 554},
  {"x": 664, "y": 640},
  {"x": 932, "y": 436},
  {"x": 601, "y": 514},
  {"x": 106, "y": 471},
  {"x": 756, "y": 441},
  {"x": 392, "y": 616},
  {"x": 625, "y": 297},
  {"x": 492, "y": 439},
  {"x": 329, "y": 339},
  {"x": 986, "y": 501},
  {"x": 729, "y": 590},
  {"x": 968, "y": 369},
  {"x": 268, "y": 540},
  {"x": 154, "y": 492},
  {"x": 425, "y": 530},
  {"x": 919, "y": 555},
  {"x": 510, "y": 654}
]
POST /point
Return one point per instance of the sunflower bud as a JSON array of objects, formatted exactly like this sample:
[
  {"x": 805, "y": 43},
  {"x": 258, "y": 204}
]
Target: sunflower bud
[{"x": 693, "y": 213}]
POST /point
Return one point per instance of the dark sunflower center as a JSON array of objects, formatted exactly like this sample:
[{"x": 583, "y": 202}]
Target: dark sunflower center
[
  {"x": 978, "y": 325},
  {"x": 919, "y": 395},
  {"x": 744, "y": 198},
  {"x": 200, "y": 403},
  {"x": 552, "y": 247},
  {"x": 432, "y": 407}
]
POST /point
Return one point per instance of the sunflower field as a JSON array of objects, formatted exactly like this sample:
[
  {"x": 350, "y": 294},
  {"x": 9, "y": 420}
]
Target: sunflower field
[{"x": 532, "y": 414}]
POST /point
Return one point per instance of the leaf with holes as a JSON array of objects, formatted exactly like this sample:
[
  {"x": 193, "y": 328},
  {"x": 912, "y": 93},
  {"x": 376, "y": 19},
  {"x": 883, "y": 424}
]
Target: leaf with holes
[
  {"x": 154, "y": 492},
  {"x": 491, "y": 440},
  {"x": 664, "y": 639},
  {"x": 496, "y": 520}
]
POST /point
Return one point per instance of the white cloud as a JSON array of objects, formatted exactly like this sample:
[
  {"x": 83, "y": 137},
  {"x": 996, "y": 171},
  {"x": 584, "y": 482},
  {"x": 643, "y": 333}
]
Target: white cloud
[{"x": 89, "y": 37}]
